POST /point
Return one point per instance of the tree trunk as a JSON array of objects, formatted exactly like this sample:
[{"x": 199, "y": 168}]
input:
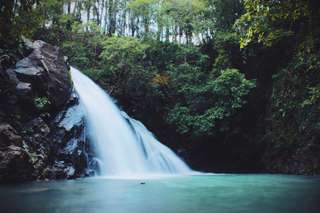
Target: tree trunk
[
  {"x": 69, "y": 7},
  {"x": 88, "y": 18},
  {"x": 6, "y": 18},
  {"x": 112, "y": 17},
  {"x": 314, "y": 6},
  {"x": 146, "y": 25},
  {"x": 106, "y": 13}
]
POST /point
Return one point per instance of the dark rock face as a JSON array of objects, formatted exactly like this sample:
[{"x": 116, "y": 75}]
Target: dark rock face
[
  {"x": 41, "y": 121},
  {"x": 14, "y": 159},
  {"x": 302, "y": 159},
  {"x": 45, "y": 73}
]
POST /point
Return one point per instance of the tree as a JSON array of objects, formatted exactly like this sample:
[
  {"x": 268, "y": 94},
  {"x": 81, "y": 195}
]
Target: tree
[
  {"x": 209, "y": 103},
  {"x": 143, "y": 9},
  {"x": 266, "y": 22},
  {"x": 122, "y": 61}
]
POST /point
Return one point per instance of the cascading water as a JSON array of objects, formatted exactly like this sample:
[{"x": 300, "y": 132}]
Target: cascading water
[{"x": 124, "y": 146}]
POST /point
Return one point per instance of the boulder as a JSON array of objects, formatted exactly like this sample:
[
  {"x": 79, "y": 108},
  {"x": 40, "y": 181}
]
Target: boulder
[{"x": 46, "y": 70}]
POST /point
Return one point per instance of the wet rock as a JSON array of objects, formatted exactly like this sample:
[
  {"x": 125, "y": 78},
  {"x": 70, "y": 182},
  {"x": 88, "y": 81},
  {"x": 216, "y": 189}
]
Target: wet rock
[
  {"x": 14, "y": 160},
  {"x": 24, "y": 89},
  {"x": 8, "y": 136},
  {"x": 70, "y": 148},
  {"x": 94, "y": 166},
  {"x": 8, "y": 96},
  {"x": 72, "y": 117},
  {"x": 73, "y": 152},
  {"x": 41, "y": 121},
  {"x": 47, "y": 71},
  {"x": 37, "y": 125}
]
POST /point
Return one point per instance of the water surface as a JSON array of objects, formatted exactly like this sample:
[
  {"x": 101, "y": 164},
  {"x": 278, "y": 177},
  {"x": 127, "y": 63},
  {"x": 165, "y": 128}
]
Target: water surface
[{"x": 198, "y": 194}]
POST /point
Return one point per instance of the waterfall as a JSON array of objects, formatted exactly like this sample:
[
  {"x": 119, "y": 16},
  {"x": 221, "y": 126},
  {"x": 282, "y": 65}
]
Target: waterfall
[{"x": 124, "y": 146}]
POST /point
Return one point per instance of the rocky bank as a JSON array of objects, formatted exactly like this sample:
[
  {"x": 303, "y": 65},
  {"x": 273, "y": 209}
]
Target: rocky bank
[{"x": 41, "y": 123}]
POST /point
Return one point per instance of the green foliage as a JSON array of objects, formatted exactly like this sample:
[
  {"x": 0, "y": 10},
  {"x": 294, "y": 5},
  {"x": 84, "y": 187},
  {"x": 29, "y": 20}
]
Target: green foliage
[
  {"x": 222, "y": 61},
  {"x": 313, "y": 97},
  {"x": 268, "y": 21},
  {"x": 296, "y": 107},
  {"x": 25, "y": 18},
  {"x": 184, "y": 15},
  {"x": 210, "y": 102},
  {"x": 224, "y": 13},
  {"x": 122, "y": 64},
  {"x": 122, "y": 53},
  {"x": 145, "y": 9},
  {"x": 83, "y": 48},
  {"x": 41, "y": 102}
]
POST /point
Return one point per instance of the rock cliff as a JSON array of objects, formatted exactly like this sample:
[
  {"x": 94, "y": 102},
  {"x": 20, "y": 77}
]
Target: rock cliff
[{"x": 41, "y": 122}]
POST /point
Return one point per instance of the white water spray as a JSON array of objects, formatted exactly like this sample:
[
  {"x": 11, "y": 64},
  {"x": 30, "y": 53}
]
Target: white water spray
[{"x": 124, "y": 145}]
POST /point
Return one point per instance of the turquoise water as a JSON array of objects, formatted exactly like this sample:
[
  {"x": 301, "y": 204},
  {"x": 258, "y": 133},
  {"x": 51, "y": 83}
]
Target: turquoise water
[{"x": 199, "y": 194}]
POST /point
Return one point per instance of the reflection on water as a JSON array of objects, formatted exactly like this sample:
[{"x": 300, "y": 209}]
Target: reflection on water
[{"x": 200, "y": 194}]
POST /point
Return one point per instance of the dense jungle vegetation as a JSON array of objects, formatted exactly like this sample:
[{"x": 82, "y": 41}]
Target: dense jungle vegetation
[{"x": 231, "y": 85}]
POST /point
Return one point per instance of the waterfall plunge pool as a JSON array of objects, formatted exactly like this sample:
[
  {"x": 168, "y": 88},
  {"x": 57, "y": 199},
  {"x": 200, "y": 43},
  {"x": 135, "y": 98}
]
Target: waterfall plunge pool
[
  {"x": 178, "y": 194},
  {"x": 145, "y": 176}
]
